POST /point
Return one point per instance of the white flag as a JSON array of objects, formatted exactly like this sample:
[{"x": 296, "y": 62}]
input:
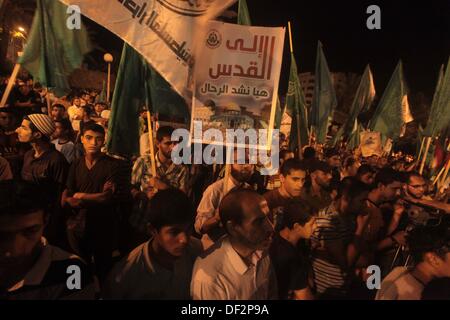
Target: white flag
[{"x": 162, "y": 31}]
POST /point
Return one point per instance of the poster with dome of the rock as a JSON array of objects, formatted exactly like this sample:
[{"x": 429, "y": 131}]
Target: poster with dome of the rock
[{"x": 236, "y": 79}]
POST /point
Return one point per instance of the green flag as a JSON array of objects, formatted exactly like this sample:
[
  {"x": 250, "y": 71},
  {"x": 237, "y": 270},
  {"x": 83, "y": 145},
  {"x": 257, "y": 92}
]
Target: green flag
[
  {"x": 337, "y": 137},
  {"x": 363, "y": 99},
  {"x": 389, "y": 115},
  {"x": 138, "y": 85},
  {"x": 163, "y": 99},
  {"x": 296, "y": 108},
  {"x": 128, "y": 98},
  {"x": 243, "y": 15},
  {"x": 53, "y": 51},
  {"x": 420, "y": 137},
  {"x": 324, "y": 101},
  {"x": 354, "y": 139},
  {"x": 439, "y": 115},
  {"x": 102, "y": 96}
]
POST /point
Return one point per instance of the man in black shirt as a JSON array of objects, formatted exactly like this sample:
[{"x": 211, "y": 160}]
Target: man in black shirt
[
  {"x": 10, "y": 147},
  {"x": 288, "y": 260},
  {"x": 30, "y": 268},
  {"x": 91, "y": 195},
  {"x": 46, "y": 167},
  {"x": 28, "y": 100},
  {"x": 292, "y": 177}
]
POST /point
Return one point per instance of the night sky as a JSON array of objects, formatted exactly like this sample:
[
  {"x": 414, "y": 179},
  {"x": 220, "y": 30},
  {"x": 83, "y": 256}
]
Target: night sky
[{"x": 416, "y": 32}]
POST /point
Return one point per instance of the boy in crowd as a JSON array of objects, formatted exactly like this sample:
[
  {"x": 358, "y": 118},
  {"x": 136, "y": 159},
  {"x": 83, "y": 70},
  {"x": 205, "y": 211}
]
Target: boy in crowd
[
  {"x": 161, "y": 268},
  {"x": 30, "y": 268}
]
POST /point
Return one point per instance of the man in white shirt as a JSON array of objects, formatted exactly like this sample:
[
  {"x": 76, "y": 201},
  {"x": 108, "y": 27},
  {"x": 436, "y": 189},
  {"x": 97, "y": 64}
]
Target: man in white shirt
[
  {"x": 430, "y": 249},
  {"x": 74, "y": 112},
  {"x": 238, "y": 267},
  {"x": 207, "y": 221}
]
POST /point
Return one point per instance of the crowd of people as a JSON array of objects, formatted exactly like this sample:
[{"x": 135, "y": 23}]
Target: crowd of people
[{"x": 312, "y": 231}]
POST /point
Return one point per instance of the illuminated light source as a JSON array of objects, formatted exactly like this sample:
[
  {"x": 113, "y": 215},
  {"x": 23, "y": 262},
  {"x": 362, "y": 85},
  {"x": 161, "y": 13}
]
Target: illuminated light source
[{"x": 108, "y": 58}]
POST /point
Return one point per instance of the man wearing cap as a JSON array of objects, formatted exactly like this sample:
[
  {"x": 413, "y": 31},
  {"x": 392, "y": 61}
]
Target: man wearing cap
[
  {"x": 44, "y": 165},
  {"x": 315, "y": 193}
]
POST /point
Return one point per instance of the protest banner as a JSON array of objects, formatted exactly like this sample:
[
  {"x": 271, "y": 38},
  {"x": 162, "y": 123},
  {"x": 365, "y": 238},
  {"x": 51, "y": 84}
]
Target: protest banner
[
  {"x": 236, "y": 83},
  {"x": 371, "y": 144},
  {"x": 162, "y": 31}
]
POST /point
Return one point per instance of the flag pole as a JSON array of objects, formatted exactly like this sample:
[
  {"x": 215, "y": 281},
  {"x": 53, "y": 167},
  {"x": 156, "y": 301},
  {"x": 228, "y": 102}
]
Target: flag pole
[
  {"x": 439, "y": 175},
  {"x": 444, "y": 177},
  {"x": 227, "y": 169},
  {"x": 47, "y": 98},
  {"x": 150, "y": 140},
  {"x": 109, "y": 83},
  {"x": 108, "y": 59},
  {"x": 11, "y": 82},
  {"x": 297, "y": 115},
  {"x": 425, "y": 155},
  {"x": 421, "y": 149}
]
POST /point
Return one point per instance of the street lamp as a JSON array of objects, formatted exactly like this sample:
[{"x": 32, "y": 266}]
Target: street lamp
[
  {"x": 21, "y": 29},
  {"x": 108, "y": 59}
]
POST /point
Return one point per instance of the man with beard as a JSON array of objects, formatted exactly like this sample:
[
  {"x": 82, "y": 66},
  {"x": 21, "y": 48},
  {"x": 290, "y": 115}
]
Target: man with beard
[
  {"x": 315, "y": 193},
  {"x": 207, "y": 222},
  {"x": 383, "y": 233},
  {"x": 168, "y": 174},
  {"x": 414, "y": 192},
  {"x": 238, "y": 266}
]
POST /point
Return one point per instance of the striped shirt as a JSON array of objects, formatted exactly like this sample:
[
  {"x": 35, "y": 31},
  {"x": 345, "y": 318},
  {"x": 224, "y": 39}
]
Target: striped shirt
[
  {"x": 175, "y": 176},
  {"x": 331, "y": 226}
]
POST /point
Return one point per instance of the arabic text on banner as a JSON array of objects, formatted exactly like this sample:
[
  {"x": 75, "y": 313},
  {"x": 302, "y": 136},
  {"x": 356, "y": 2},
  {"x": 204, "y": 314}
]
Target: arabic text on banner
[
  {"x": 236, "y": 79},
  {"x": 162, "y": 31}
]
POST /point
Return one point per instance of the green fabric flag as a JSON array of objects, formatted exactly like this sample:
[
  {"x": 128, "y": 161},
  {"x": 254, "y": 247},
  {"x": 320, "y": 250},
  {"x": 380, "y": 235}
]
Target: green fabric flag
[
  {"x": 354, "y": 139},
  {"x": 244, "y": 19},
  {"x": 324, "y": 101},
  {"x": 243, "y": 15},
  {"x": 102, "y": 96},
  {"x": 128, "y": 99},
  {"x": 388, "y": 118},
  {"x": 53, "y": 51},
  {"x": 163, "y": 99},
  {"x": 296, "y": 108},
  {"x": 138, "y": 85},
  {"x": 363, "y": 100},
  {"x": 439, "y": 115},
  {"x": 420, "y": 137},
  {"x": 338, "y": 137}
]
